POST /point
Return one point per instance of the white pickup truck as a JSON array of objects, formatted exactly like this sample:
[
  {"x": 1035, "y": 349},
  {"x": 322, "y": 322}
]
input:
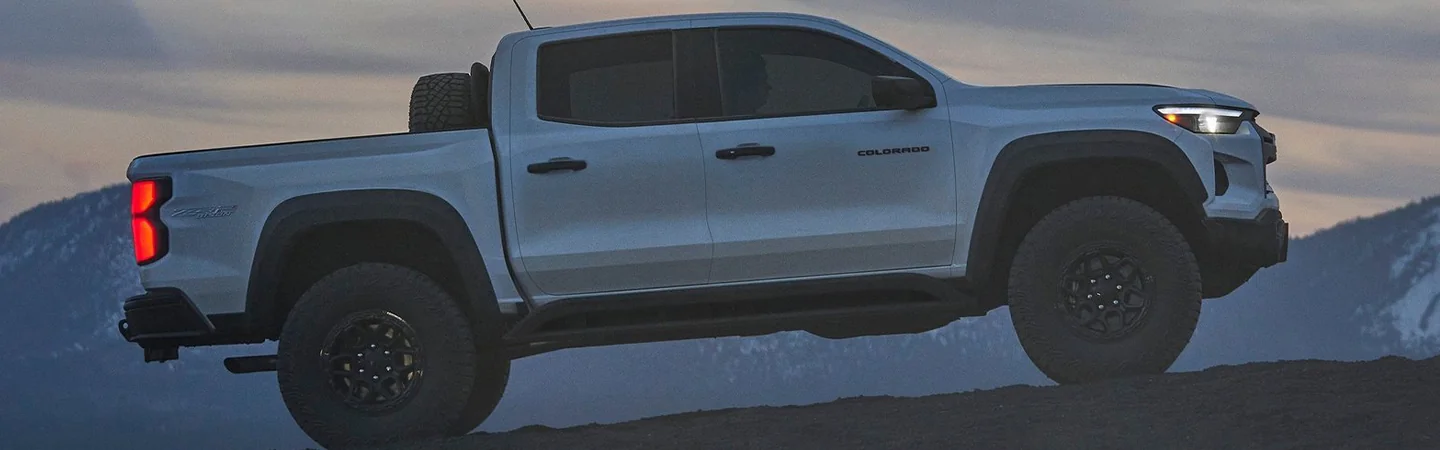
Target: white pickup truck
[{"x": 696, "y": 176}]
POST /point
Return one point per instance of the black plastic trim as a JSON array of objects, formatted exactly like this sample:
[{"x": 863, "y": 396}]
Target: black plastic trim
[
  {"x": 1267, "y": 143},
  {"x": 295, "y": 216},
  {"x": 251, "y": 364},
  {"x": 931, "y": 314},
  {"x": 1260, "y": 242},
  {"x": 480, "y": 94},
  {"x": 162, "y": 314},
  {"x": 1026, "y": 154},
  {"x": 164, "y": 319},
  {"x": 1222, "y": 178},
  {"x": 742, "y": 310}
]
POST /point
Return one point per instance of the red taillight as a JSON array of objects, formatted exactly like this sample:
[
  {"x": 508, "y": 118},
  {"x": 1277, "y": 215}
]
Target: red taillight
[
  {"x": 145, "y": 226},
  {"x": 143, "y": 196},
  {"x": 147, "y": 239}
]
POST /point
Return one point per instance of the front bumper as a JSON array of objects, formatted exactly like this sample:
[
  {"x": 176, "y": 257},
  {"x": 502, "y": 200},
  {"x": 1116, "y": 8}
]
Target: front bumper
[
  {"x": 162, "y": 320},
  {"x": 1261, "y": 242}
]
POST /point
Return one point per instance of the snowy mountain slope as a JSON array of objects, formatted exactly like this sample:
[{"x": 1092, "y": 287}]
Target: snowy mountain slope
[
  {"x": 1360, "y": 290},
  {"x": 1414, "y": 315}
]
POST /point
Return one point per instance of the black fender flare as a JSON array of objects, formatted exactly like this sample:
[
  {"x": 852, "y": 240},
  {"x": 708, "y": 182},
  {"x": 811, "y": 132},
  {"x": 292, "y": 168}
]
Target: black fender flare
[
  {"x": 1026, "y": 154},
  {"x": 295, "y": 216}
]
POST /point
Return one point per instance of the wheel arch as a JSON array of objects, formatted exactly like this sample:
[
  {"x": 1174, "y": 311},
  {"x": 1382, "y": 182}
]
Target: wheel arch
[
  {"x": 1021, "y": 158},
  {"x": 409, "y": 210}
]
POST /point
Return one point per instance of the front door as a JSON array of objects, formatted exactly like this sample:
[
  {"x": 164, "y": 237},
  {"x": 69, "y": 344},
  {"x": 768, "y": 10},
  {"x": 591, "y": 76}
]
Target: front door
[
  {"x": 806, "y": 176},
  {"x": 608, "y": 185}
]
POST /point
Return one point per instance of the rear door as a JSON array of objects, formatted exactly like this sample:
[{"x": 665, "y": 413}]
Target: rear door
[
  {"x": 607, "y": 182},
  {"x": 833, "y": 184}
]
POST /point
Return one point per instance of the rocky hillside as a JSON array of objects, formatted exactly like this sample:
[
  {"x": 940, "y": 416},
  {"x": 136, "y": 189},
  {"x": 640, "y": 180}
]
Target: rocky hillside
[
  {"x": 1361, "y": 290},
  {"x": 1390, "y": 403}
]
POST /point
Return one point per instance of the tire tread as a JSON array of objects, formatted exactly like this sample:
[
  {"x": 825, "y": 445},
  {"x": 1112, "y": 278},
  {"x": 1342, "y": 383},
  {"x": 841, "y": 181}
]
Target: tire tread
[
  {"x": 1057, "y": 359},
  {"x": 324, "y": 302},
  {"x": 441, "y": 102}
]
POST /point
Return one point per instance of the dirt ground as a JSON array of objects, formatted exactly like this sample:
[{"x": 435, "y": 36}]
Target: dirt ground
[{"x": 1391, "y": 403}]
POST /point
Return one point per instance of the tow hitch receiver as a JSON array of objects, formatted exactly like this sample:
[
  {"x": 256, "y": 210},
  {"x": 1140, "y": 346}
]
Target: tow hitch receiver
[
  {"x": 250, "y": 364},
  {"x": 161, "y": 354}
]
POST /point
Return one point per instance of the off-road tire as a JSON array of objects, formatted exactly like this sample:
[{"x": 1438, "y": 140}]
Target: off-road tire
[
  {"x": 438, "y": 404},
  {"x": 492, "y": 375},
  {"x": 1065, "y": 354},
  {"x": 442, "y": 102}
]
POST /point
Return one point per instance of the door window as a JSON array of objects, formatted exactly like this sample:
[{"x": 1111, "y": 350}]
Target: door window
[
  {"x": 628, "y": 79},
  {"x": 779, "y": 72}
]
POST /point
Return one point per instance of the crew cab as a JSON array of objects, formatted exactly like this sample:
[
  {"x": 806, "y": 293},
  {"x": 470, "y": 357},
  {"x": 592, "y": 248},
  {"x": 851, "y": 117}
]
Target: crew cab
[{"x": 695, "y": 176}]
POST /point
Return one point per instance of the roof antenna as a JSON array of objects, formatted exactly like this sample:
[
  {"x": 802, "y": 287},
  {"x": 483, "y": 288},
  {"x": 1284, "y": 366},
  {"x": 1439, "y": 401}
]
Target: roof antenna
[{"x": 522, "y": 15}]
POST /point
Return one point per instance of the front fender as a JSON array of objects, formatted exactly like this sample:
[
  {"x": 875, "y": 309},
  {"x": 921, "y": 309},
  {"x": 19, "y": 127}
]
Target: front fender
[{"x": 1026, "y": 154}]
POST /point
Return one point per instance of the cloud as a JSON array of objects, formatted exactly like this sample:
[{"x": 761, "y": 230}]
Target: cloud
[
  {"x": 98, "y": 54},
  {"x": 1368, "y": 64},
  {"x": 104, "y": 80},
  {"x": 73, "y": 29},
  {"x": 106, "y": 55},
  {"x": 352, "y": 38},
  {"x": 7, "y": 193},
  {"x": 1350, "y": 161},
  {"x": 1309, "y": 212},
  {"x": 311, "y": 60},
  {"x": 167, "y": 59},
  {"x": 1337, "y": 27},
  {"x": 107, "y": 90}
]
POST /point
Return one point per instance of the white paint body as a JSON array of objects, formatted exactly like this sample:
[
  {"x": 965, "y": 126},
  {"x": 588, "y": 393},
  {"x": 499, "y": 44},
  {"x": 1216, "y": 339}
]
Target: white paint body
[{"x": 655, "y": 210}]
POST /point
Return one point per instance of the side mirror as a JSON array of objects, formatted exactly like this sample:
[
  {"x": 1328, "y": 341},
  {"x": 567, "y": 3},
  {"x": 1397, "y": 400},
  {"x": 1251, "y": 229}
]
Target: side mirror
[{"x": 902, "y": 93}]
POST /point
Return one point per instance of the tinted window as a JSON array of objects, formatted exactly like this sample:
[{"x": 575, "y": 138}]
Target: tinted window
[
  {"x": 782, "y": 72},
  {"x": 622, "y": 79}
]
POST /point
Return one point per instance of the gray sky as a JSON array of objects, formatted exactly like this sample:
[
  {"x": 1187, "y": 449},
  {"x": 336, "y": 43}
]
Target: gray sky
[{"x": 87, "y": 85}]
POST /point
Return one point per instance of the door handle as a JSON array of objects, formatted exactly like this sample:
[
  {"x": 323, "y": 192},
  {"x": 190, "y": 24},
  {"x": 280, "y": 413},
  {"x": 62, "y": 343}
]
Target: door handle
[
  {"x": 749, "y": 150},
  {"x": 557, "y": 164}
]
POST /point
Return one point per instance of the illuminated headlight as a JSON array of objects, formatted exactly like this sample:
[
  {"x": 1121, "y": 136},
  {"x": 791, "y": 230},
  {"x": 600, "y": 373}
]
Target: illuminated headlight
[{"x": 1204, "y": 119}]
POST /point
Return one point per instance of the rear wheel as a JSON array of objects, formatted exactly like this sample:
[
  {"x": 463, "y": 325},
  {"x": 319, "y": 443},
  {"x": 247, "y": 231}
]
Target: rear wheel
[
  {"x": 1104, "y": 287},
  {"x": 375, "y": 354},
  {"x": 492, "y": 375}
]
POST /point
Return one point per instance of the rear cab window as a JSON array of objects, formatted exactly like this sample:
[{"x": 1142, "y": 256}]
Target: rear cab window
[{"x": 621, "y": 79}]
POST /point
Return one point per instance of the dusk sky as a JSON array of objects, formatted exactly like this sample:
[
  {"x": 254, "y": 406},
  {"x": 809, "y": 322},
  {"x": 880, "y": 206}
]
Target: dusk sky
[{"x": 1351, "y": 87}]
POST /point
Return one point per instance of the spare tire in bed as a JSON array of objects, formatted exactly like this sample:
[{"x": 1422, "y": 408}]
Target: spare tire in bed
[{"x": 442, "y": 102}]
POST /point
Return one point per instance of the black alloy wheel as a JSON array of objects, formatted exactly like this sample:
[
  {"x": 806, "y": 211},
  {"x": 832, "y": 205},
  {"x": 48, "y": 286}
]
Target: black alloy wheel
[
  {"x": 375, "y": 361},
  {"x": 1105, "y": 294}
]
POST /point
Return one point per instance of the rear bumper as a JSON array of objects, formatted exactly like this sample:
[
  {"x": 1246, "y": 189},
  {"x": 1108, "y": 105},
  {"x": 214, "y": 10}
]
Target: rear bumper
[
  {"x": 160, "y": 315},
  {"x": 1261, "y": 242},
  {"x": 162, "y": 320}
]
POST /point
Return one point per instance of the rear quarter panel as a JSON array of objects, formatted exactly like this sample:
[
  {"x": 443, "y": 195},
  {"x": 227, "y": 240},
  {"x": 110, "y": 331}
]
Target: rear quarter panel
[{"x": 210, "y": 256}]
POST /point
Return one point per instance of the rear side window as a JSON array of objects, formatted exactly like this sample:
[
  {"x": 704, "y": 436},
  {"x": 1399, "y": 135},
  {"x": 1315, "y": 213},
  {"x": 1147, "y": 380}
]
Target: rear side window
[{"x": 627, "y": 79}]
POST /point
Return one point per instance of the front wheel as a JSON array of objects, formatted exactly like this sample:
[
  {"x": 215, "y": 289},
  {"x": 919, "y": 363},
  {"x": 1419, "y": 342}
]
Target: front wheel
[
  {"x": 375, "y": 354},
  {"x": 1104, "y": 287}
]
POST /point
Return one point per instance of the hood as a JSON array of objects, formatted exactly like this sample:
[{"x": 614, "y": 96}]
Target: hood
[
  {"x": 1221, "y": 99},
  {"x": 1046, "y": 96}
]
